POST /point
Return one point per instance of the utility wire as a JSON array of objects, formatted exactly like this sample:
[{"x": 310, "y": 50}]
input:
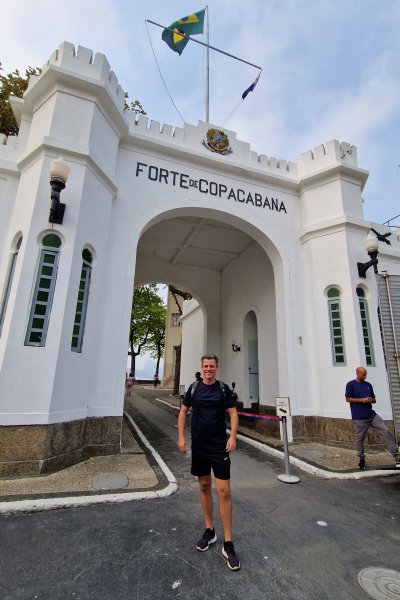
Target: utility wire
[
  {"x": 162, "y": 78},
  {"x": 234, "y": 109}
]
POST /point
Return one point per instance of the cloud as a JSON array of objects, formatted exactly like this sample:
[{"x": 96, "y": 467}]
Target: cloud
[{"x": 330, "y": 69}]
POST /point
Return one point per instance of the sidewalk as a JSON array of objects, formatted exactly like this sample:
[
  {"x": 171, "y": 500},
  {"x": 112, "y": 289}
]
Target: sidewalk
[{"x": 130, "y": 476}]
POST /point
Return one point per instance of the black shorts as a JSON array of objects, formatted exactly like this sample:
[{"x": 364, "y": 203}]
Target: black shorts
[{"x": 205, "y": 460}]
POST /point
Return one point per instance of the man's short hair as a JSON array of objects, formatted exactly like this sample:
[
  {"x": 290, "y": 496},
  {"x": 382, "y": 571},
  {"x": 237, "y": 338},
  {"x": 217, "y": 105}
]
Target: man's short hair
[{"x": 210, "y": 357}]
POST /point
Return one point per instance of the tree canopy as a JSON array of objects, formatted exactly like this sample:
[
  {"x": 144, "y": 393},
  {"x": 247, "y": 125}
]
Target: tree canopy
[
  {"x": 15, "y": 84},
  {"x": 147, "y": 327},
  {"x": 12, "y": 84}
]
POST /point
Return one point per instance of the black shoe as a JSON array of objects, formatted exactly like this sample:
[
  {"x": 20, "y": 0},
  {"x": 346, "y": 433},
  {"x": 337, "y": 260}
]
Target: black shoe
[
  {"x": 228, "y": 552},
  {"x": 361, "y": 464},
  {"x": 208, "y": 538},
  {"x": 398, "y": 462}
]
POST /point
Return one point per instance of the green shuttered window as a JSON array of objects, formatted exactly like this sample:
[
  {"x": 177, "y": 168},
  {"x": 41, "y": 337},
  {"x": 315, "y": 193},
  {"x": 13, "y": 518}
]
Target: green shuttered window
[
  {"x": 336, "y": 327},
  {"x": 366, "y": 328},
  {"x": 44, "y": 291},
  {"x": 82, "y": 302}
]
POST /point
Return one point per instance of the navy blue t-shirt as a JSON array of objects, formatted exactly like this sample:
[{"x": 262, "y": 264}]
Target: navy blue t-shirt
[
  {"x": 208, "y": 414},
  {"x": 360, "y": 389}
]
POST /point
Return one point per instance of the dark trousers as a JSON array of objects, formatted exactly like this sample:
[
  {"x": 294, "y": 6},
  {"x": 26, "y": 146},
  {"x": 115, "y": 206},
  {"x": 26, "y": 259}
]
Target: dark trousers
[{"x": 361, "y": 428}]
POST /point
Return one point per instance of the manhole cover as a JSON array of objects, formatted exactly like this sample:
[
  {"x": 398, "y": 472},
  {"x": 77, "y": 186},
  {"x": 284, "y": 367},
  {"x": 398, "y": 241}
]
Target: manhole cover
[
  {"x": 380, "y": 583},
  {"x": 109, "y": 481},
  {"x": 304, "y": 453}
]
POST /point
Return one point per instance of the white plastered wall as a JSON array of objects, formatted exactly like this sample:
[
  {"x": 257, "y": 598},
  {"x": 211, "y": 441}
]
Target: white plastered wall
[{"x": 76, "y": 109}]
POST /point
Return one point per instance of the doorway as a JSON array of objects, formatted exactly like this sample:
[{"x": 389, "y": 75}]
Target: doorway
[{"x": 250, "y": 335}]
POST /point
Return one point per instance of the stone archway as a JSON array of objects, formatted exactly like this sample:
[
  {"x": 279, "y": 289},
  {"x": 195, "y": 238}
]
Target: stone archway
[{"x": 228, "y": 273}]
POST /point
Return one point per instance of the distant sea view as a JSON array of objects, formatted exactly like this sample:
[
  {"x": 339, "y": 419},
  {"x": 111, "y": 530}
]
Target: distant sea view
[{"x": 145, "y": 367}]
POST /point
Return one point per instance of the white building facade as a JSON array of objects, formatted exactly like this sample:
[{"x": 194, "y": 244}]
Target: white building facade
[{"x": 268, "y": 249}]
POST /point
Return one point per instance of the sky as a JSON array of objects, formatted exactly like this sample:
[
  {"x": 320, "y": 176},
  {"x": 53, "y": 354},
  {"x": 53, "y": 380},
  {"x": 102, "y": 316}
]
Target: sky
[{"x": 331, "y": 70}]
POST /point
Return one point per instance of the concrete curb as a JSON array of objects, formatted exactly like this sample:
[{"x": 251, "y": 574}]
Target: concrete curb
[
  {"x": 317, "y": 471},
  {"x": 41, "y": 504},
  {"x": 306, "y": 467}
]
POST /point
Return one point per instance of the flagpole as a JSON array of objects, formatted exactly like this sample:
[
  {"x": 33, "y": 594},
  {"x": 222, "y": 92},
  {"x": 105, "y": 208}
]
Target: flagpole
[
  {"x": 207, "y": 91},
  {"x": 207, "y": 45}
]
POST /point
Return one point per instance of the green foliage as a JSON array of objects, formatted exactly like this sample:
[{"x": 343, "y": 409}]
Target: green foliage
[
  {"x": 135, "y": 106},
  {"x": 13, "y": 84},
  {"x": 147, "y": 328}
]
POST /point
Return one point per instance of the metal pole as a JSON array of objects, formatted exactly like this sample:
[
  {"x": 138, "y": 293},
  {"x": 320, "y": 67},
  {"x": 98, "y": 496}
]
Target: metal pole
[
  {"x": 207, "y": 90},
  {"x": 396, "y": 354},
  {"x": 287, "y": 478},
  {"x": 203, "y": 44}
]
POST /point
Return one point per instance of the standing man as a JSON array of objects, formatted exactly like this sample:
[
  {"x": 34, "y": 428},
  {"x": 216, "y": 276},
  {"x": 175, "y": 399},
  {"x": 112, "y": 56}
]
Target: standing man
[
  {"x": 360, "y": 395},
  {"x": 210, "y": 399}
]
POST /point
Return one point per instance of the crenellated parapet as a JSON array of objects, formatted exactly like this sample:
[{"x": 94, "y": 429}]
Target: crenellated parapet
[
  {"x": 325, "y": 156},
  {"x": 93, "y": 67},
  {"x": 8, "y": 151},
  {"x": 9, "y": 141},
  {"x": 194, "y": 136}
]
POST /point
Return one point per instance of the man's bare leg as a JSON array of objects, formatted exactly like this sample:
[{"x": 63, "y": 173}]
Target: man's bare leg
[
  {"x": 225, "y": 506},
  {"x": 206, "y": 500}
]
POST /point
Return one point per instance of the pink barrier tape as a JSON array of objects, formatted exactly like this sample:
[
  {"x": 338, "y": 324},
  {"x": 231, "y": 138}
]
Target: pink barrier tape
[{"x": 262, "y": 417}]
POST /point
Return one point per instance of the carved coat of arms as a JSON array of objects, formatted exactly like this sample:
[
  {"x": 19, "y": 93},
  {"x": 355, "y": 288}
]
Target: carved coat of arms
[{"x": 217, "y": 141}]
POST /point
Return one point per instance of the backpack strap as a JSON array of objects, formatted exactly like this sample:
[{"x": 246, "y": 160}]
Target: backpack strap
[{"x": 194, "y": 387}]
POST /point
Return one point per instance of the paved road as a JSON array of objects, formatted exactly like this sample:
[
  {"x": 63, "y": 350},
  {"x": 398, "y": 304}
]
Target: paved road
[{"x": 145, "y": 550}]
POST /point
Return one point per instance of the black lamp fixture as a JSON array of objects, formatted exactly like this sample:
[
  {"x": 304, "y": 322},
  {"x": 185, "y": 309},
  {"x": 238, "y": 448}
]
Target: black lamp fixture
[
  {"x": 235, "y": 347},
  {"x": 371, "y": 245},
  {"x": 59, "y": 171}
]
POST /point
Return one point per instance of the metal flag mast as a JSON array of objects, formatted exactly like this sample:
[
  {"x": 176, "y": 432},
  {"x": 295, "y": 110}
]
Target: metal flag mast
[
  {"x": 207, "y": 73},
  {"x": 207, "y": 66}
]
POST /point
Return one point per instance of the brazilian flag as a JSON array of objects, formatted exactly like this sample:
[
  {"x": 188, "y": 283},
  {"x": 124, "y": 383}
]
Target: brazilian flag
[{"x": 191, "y": 25}]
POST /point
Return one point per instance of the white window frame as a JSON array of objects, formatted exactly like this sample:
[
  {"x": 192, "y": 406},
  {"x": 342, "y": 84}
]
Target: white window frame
[{"x": 175, "y": 319}]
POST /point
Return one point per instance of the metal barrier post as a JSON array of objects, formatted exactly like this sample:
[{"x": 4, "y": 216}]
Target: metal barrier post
[{"x": 287, "y": 477}]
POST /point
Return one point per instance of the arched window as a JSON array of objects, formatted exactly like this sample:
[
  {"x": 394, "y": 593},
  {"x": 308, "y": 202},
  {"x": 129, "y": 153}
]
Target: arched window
[
  {"x": 44, "y": 291},
  {"x": 82, "y": 302},
  {"x": 337, "y": 338},
  {"x": 366, "y": 329},
  {"x": 9, "y": 278}
]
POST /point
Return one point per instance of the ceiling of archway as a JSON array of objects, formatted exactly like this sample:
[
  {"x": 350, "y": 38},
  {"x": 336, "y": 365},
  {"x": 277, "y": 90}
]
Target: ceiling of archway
[{"x": 193, "y": 241}]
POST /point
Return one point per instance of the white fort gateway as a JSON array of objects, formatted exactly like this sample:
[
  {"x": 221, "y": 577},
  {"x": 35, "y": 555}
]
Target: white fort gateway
[{"x": 268, "y": 250}]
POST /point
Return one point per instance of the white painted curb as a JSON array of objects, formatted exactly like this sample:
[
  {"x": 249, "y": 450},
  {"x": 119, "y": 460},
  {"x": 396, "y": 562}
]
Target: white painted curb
[
  {"x": 317, "y": 471},
  {"x": 35, "y": 505}
]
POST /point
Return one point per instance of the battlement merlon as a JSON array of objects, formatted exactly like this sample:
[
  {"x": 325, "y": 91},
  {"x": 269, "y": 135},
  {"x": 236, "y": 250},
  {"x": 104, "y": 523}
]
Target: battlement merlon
[
  {"x": 81, "y": 61},
  {"x": 193, "y": 137},
  {"x": 80, "y": 69},
  {"x": 316, "y": 162}
]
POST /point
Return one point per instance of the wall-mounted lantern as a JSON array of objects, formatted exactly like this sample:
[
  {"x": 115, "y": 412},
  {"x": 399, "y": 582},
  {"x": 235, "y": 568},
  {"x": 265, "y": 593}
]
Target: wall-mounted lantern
[{"x": 59, "y": 171}]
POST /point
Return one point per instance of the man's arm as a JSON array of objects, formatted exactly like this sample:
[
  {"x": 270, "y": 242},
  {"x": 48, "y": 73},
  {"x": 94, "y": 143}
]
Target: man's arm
[
  {"x": 182, "y": 444},
  {"x": 234, "y": 419},
  {"x": 361, "y": 400}
]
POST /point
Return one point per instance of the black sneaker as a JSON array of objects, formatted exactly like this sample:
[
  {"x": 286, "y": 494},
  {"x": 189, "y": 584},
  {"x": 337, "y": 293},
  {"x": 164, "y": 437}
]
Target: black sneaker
[
  {"x": 398, "y": 461},
  {"x": 361, "y": 464},
  {"x": 228, "y": 552},
  {"x": 208, "y": 538}
]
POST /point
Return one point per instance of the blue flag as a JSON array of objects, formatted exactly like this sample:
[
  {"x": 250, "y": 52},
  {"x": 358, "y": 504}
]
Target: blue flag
[{"x": 251, "y": 87}]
